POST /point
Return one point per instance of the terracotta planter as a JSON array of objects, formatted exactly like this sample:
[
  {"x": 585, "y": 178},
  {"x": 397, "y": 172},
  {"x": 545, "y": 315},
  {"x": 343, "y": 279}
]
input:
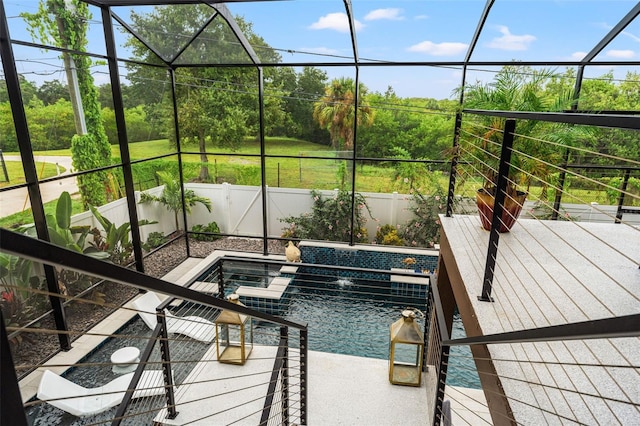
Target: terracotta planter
[{"x": 512, "y": 208}]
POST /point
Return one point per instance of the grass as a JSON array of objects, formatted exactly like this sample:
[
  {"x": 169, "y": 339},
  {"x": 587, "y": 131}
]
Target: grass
[
  {"x": 283, "y": 172},
  {"x": 25, "y": 217},
  {"x": 16, "y": 172}
]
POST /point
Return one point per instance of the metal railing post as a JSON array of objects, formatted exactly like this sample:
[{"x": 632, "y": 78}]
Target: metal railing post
[
  {"x": 560, "y": 188},
  {"x": 454, "y": 164},
  {"x": 220, "y": 280},
  {"x": 284, "y": 339},
  {"x": 304, "y": 369},
  {"x": 12, "y": 412},
  {"x": 442, "y": 378},
  {"x": 498, "y": 208},
  {"x": 625, "y": 182},
  {"x": 166, "y": 366}
]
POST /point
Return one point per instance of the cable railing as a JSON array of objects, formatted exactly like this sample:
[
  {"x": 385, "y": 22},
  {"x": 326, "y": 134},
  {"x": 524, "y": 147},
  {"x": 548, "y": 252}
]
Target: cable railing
[
  {"x": 557, "y": 293},
  {"x": 138, "y": 373}
]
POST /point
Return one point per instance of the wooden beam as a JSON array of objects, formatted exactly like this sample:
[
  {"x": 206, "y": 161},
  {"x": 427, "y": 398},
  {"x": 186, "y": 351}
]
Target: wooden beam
[{"x": 449, "y": 275}]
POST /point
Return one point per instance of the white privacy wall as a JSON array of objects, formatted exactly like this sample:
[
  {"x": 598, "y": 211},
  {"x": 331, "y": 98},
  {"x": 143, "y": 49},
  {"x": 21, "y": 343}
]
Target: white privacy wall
[{"x": 237, "y": 209}]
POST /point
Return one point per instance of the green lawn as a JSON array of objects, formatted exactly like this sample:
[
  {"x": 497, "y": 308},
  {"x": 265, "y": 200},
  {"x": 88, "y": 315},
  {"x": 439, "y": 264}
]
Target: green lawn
[
  {"x": 25, "y": 217},
  {"x": 16, "y": 173},
  {"x": 282, "y": 172}
]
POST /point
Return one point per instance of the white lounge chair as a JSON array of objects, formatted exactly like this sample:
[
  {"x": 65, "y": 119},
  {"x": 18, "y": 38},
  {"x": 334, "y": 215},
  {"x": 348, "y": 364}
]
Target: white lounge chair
[
  {"x": 195, "y": 327},
  {"x": 81, "y": 401}
]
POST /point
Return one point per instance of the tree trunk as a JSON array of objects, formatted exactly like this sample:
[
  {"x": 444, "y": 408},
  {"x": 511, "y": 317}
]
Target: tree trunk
[{"x": 204, "y": 168}]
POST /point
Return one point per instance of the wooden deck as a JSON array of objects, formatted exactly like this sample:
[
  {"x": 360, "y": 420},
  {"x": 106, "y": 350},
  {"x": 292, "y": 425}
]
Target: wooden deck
[{"x": 550, "y": 273}]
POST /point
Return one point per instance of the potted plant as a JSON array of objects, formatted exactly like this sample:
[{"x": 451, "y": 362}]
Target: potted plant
[
  {"x": 513, "y": 89},
  {"x": 513, "y": 202}
]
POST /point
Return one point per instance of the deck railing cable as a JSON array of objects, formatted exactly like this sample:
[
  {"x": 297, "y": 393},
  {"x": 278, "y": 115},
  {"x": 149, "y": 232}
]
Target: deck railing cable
[
  {"x": 563, "y": 376},
  {"x": 196, "y": 305}
]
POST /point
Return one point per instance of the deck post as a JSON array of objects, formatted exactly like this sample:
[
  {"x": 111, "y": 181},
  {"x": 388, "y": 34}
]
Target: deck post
[
  {"x": 623, "y": 189},
  {"x": 166, "y": 366},
  {"x": 454, "y": 164},
  {"x": 284, "y": 340},
  {"x": 304, "y": 369},
  {"x": 498, "y": 207}
]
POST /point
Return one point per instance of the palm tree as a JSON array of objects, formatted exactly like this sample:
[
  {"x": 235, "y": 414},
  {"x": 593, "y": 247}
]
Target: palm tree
[
  {"x": 517, "y": 89},
  {"x": 335, "y": 111},
  {"x": 172, "y": 199}
]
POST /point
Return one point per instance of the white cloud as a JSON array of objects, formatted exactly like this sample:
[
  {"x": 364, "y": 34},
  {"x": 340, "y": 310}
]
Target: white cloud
[
  {"x": 320, "y": 50},
  {"x": 335, "y": 21},
  {"x": 620, "y": 54},
  {"x": 577, "y": 56},
  {"x": 438, "y": 49},
  {"x": 391, "y": 14},
  {"x": 510, "y": 41}
]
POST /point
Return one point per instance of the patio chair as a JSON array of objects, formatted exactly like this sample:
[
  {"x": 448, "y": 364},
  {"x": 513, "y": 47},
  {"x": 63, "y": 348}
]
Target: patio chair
[
  {"x": 80, "y": 401},
  {"x": 195, "y": 327}
]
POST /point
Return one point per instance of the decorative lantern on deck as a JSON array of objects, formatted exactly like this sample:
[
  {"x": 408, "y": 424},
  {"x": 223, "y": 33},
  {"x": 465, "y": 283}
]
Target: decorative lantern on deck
[
  {"x": 234, "y": 335},
  {"x": 405, "y": 351}
]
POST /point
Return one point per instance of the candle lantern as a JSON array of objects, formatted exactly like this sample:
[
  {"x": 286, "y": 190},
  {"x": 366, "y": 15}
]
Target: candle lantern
[
  {"x": 234, "y": 335},
  {"x": 405, "y": 351}
]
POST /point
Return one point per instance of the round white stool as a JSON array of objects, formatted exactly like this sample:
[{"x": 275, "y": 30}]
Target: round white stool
[{"x": 124, "y": 360}]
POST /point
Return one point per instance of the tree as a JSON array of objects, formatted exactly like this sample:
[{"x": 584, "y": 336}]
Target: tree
[
  {"x": 301, "y": 94},
  {"x": 52, "y": 91},
  {"x": 65, "y": 21},
  {"x": 218, "y": 105},
  {"x": 336, "y": 111},
  {"x": 27, "y": 88}
]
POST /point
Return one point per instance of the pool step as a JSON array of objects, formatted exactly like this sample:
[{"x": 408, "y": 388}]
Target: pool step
[
  {"x": 205, "y": 287},
  {"x": 201, "y": 286},
  {"x": 419, "y": 278},
  {"x": 271, "y": 299},
  {"x": 289, "y": 269},
  {"x": 275, "y": 290},
  {"x": 415, "y": 285}
]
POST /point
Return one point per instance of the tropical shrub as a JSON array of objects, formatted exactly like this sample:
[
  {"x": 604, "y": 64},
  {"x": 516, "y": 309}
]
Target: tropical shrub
[
  {"x": 155, "y": 239},
  {"x": 62, "y": 234},
  {"x": 18, "y": 302},
  {"x": 330, "y": 219},
  {"x": 388, "y": 236},
  {"x": 423, "y": 230},
  {"x": 171, "y": 197},
  {"x": 211, "y": 228},
  {"x": 116, "y": 242}
]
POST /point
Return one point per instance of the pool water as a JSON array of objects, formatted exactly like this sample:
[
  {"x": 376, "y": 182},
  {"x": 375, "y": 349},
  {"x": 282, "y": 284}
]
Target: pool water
[{"x": 344, "y": 319}]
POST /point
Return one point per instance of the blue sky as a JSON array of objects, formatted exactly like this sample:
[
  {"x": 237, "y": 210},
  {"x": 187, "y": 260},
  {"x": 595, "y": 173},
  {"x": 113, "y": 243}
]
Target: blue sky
[{"x": 425, "y": 30}]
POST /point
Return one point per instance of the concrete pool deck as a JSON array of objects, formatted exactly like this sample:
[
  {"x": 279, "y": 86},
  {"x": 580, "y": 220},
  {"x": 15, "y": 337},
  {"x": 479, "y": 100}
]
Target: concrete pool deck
[{"x": 343, "y": 389}]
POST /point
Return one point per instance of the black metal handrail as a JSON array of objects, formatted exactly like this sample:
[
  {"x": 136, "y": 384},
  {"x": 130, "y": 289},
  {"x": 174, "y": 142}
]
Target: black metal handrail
[
  {"x": 50, "y": 254},
  {"x": 606, "y": 328},
  {"x": 437, "y": 352}
]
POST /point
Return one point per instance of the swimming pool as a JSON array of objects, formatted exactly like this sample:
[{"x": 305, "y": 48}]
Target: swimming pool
[{"x": 352, "y": 317}]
